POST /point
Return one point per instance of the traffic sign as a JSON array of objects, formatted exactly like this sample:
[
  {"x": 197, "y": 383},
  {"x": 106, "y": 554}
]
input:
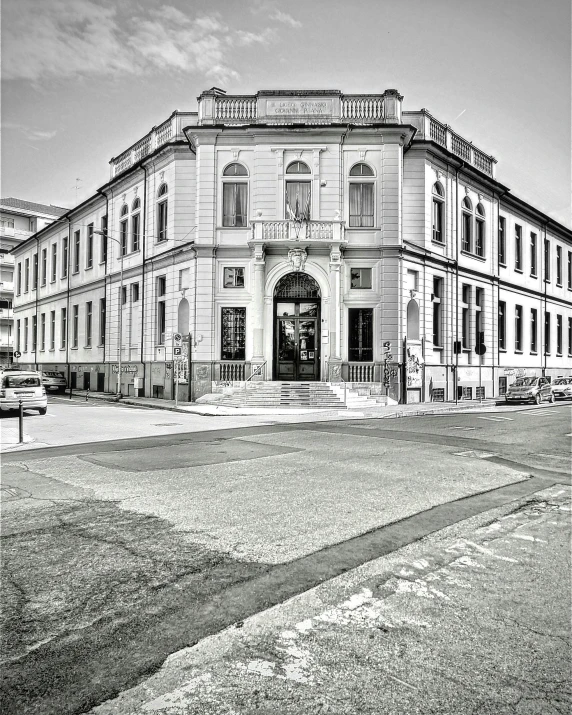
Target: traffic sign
[
  {"x": 177, "y": 338},
  {"x": 177, "y": 351},
  {"x": 17, "y": 354}
]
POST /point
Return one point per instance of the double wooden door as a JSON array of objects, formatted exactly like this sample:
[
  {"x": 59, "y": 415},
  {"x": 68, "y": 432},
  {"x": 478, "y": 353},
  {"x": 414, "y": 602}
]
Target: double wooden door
[{"x": 297, "y": 340}]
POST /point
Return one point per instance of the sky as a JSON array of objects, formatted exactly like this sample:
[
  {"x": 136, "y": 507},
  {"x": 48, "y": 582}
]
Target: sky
[{"x": 82, "y": 80}]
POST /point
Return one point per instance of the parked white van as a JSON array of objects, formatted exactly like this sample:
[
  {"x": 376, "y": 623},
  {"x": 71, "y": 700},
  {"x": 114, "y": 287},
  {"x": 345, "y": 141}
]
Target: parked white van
[{"x": 25, "y": 386}]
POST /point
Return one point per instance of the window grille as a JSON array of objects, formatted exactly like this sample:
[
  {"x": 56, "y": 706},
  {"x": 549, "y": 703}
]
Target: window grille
[
  {"x": 233, "y": 334},
  {"x": 297, "y": 285}
]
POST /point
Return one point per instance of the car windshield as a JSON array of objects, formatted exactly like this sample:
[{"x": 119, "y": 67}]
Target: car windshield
[
  {"x": 525, "y": 381},
  {"x": 53, "y": 374},
  {"x": 21, "y": 381},
  {"x": 563, "y": 381}
]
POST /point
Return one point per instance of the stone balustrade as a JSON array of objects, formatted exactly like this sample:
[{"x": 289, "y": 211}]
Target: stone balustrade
[{"x": 291, "y": 231}]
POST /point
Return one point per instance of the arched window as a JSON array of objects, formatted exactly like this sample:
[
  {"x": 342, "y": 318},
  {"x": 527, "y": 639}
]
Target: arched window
[
  {"x": 438, "y": 212},
  {"x": 235, "y": 197},
  {"x": 162, "y": 212},
  {"x": 135, "y": 224},
  {"x": 467, "y": 225},
  {"x": 413, "y": 320},
  {"x": 480, "y": 230},
  {"x": 361, "y": 196},
  {"x": 123, "y": 229},
  {"x": 235, "y": 170},
  {"x": 361, "y": 170},
  {"x": 298, "y": 167},
  {"x": 124, "y": 210}
]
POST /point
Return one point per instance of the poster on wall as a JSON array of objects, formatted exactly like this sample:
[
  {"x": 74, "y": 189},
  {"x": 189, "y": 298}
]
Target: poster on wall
[{"x": 414, "y": 366}]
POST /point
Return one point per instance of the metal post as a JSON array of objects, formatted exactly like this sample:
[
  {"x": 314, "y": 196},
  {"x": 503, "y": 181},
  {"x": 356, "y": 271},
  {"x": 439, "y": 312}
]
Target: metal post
[
  {"x": 176, "y": 366},
  {"x": 120, "y": 323},
  {"x": 20, "y": 422}
]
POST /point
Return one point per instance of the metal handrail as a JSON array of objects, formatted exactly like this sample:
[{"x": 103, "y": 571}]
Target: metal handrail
[{"x": 256, "y": 371}]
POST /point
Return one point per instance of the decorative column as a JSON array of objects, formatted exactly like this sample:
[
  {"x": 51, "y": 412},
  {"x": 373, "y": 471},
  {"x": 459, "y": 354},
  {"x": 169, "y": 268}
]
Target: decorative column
[
  {"x": 258, "y": 309},
  {"x": 335, "y": 359}
]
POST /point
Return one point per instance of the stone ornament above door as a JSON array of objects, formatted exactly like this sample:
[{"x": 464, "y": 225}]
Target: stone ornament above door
[{"x": 297, "y": 258}]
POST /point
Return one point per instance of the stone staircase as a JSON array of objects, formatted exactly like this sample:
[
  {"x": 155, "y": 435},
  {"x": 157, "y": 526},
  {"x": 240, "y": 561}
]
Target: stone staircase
[{"x": 311, "y": 395}]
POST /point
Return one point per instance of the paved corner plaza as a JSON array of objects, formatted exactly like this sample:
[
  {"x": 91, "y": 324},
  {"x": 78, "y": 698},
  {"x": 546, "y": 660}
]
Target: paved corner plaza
[
  {"x": 300, "y": 246},
  {"x": 287, "y": 563}
]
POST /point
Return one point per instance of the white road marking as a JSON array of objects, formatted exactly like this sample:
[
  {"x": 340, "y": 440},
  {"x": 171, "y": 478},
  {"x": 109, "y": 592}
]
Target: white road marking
[{"x": 496, "y": 419}]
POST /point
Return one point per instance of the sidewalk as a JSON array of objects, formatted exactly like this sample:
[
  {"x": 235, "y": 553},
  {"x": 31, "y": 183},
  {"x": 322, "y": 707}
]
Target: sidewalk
[{"x": 380, "y": 411}]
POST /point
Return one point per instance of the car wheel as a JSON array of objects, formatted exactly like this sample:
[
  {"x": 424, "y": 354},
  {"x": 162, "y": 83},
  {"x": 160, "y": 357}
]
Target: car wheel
[
  {"x": 538, "y": 399},
  {"x": 42, "y": 410}
]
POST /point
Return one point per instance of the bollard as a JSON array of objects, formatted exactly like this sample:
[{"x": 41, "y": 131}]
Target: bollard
[
  {"x": 20, "y": 422},
  {"x": 87, "y": 396},
  {"x": 71, "y": 390}
]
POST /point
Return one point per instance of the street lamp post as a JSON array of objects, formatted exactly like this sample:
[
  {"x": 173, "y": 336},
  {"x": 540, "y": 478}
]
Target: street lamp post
[{"x": 106, "y": 236}]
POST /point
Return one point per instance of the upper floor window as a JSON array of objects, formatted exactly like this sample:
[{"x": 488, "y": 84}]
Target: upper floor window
[
  {"x": 76, "y": 252},
  {"x": 480, "y": 230},
  {"x": 124, "y": 210},
  {"x": 234, "y": 277},
  {"x": 518, "y": 248},
  {"x": 360, "y": 277},
  {"x": 467, "y": 225},
  {"x": 162, "y": 207},
  {"x": 558, "y": 265},
  {"x": 546, "y": 259},
  {"x": 135, "y": 224},
  {"x": 502, "y": 240},
  {"x": 235, "y": 197},
  {"x": 89, "y": 247},
  {"x": 533, "y": 254},
  {"x": 123, "y": 236},
  {"x": 438, "y": 211},
  {"x": 298, "y": 192},
  {"x": 361, "y": 196}
]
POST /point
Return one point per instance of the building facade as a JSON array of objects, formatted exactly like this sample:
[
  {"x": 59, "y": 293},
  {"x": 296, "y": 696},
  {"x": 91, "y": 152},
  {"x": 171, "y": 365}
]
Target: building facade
[
  {"x": 19, "y": 220},
  {"x": 300, "y": 236}
]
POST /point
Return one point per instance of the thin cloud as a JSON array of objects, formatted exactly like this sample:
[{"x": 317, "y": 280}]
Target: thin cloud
[
  {"x": 65, "y": 39},
  {"x": 286, "y": 19},
  {"x": 30, "y": 132}
]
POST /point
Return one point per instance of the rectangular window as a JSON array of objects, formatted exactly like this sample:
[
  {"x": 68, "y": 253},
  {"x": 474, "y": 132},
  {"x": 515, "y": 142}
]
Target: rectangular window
[
  {"x": 88, "y": 323},
  {"x": 75, "y": 326},
  {"x": 558, "y": 265},
  {"x": 135, "y": 232},
  {"x": 52, "y": 330},
  {"x": 162, "y": 221},
  {"x": 123, "y": 237},
  {"x": 54, "y": 262},
  {"x": 437, "y": 312},
  {"x": 518, "y": 328},
  {"x": 134, "y": 292},
  {"x": 43, "y": 331},
  {"x": 65, "y": 257},
  {"x": 360, "y": 277},
  {"x": 233, "y": 277},
  {"x": 34, "y": 332},
  {"x": 502, "y": 241},
  {"x": 569, "y": 270},
  {"x": 76, "y": 252},
  {"x": 102, "y": 319},
  {"x": 502, "y": 325},
  {"x": 546, "y": 260},
  {"x": 466, "y": 317},
  {"x": 234, "y": 210},
  {"x": 466, "y": 232},
  {"x": 25, "y": 335},
  {"x": 518, "y": 248},
  {"x": 19, "y": 281},
  {"x": 161, "y": 309},
  {"x": 35, "y": 271},
  {"x": 103, "y": 241},
  {"x": 184, "y": 279},
  {"x": 18, "y": 340},
  {"x": 44, "y": 266},
  {"x": 26, "y": 275},
  {"x": 479, "y": 319},
  {"x": 533, "y": 330},
  {"x": 547, "y": 333},
  {"x": 233, "y": 339},
  {"x": 559, "y": 335},
  {"x": 89, "y": 247},
  {"x": 480, "y": 238},
  {"x": 437, "y": 221},
  {"x": 533, "y": 254},
  {"x": 569, "y": 337},
  {"x": 360, "y": 347},
  {"x": 63, "y": 327},
  {"x": 123, "y": 295},
  {"x": 361, "y": 206}
]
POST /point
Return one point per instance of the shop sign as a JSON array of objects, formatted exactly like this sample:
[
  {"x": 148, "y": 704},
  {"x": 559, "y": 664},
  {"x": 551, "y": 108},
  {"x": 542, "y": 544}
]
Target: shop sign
[{"x": 132, "y": 369}]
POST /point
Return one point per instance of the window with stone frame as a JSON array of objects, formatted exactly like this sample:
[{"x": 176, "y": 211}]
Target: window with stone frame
[
  {"x": 438, "y": 211},
  {"x": 233, "y": 334},
  {"x": 360, "y": 278},
  {"x": 162, "y": 212},
  {"x": 362, "y": 186},
  {"x": 235, "y": 196},
  {"x": 360, "y": 334},
  {"x": 467, "y": 225},
  {"x": 234, "y": 277}
]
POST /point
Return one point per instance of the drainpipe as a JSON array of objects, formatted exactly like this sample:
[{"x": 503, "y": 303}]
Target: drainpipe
[
  {"x": 144, "y": 247},
  {"x": 543, "y": 330},
  {"x": 68, "y": 271},
  {"x": 456, "y": 381},
  {"x": 36, "y": 289}
]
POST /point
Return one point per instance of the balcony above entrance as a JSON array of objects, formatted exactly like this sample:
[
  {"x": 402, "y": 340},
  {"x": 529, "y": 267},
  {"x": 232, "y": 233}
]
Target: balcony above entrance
[{"x": 317, "y": 232}]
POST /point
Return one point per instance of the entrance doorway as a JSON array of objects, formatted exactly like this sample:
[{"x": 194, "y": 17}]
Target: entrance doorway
[{"x": 297, "y": 328}]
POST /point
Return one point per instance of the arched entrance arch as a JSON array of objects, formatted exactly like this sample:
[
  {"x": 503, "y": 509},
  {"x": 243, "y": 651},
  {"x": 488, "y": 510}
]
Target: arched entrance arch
[{"x": 297, "y": 307}]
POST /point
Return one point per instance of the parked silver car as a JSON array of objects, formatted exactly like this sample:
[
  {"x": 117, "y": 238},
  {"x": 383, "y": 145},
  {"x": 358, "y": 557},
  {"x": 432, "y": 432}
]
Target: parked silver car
[
  {"x": 560, "y": 389},
  {"x": 526, "y": 389},
  {"x": 54, "y": 381}
]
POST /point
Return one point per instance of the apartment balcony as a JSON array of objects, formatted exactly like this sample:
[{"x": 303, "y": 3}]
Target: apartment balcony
[
  {"x": 307, "y": 232},
  {"x": 11, "y": 232},
  {"x": 167, "y": 132},
  {"x": 7, "y": 259},
  {"x": 429, "y": 129},
  {"x": 6, "y": 314},
  {"x": 7, "y": 286}
]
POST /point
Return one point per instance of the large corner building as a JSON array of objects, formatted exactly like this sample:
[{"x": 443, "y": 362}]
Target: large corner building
[{"x": 299, "y": 236}]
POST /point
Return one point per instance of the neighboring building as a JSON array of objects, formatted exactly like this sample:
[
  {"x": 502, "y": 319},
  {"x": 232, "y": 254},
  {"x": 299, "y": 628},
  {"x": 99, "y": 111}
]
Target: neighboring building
[
  {"x": 313, "y": 235},
  {"x": 18, "y": 221}
]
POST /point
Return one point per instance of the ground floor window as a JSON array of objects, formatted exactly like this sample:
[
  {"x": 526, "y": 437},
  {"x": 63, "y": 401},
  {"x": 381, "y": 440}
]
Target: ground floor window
[
  {"x": 233, "y": 342},
  {"x": 360, "y": 334}
]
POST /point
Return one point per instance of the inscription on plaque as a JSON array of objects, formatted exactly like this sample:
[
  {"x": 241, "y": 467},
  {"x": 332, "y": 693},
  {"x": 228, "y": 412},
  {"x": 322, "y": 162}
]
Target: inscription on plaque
[{"x": 297, "y": 107}]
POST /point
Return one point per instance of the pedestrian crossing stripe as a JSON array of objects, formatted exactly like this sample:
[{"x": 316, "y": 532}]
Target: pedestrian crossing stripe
[{"x": 496, "y": 419}]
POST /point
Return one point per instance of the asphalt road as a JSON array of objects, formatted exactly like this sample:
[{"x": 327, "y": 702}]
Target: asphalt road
[{"x": 119, "y": 553}]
